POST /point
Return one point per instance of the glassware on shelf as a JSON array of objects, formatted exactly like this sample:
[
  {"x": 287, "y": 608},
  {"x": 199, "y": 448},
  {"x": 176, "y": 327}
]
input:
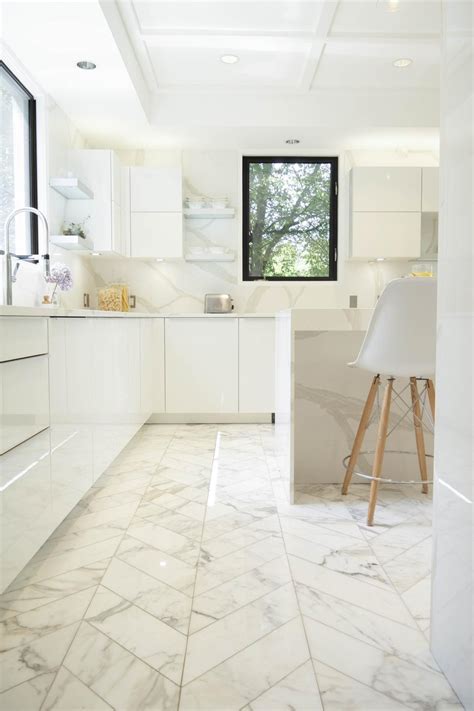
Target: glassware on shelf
[{"x": 421, "y": 269}]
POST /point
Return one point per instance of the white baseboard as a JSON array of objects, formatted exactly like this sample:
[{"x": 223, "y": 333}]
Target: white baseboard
[{"x": 210, "y": 418}]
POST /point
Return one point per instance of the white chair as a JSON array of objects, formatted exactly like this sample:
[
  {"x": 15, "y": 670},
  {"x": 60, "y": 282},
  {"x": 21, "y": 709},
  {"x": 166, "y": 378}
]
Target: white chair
[{"x": 400, "y": 343}]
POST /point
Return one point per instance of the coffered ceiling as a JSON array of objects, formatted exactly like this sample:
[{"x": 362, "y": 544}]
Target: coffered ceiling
[
  {"x": 320, "y": 68},
  {"x": 290, "y": 45}
]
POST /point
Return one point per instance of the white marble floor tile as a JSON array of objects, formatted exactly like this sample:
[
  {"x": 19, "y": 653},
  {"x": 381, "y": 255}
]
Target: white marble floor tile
[
  {"x": 179, "y": 546},
  {"x": 28, "y": 626},
  {"x": 400, "y": 680},
  {"x": 296, "y": 692},
  {"x": 42, "y": 656},
  {"x": 418, "y": 600},
  {"x": 68, "y": 692},
  {"x": 340, "y": 692},
  {"x": 221, "y": 640},
  {"x": 383, "y": 602},
  {"x": 116, "y": 675},
  {"x": 142, "y": 634},
  {"x": 250, "y": 673},
  {"x": 38, "y": 594},
  {"x": 158, "y": 564},
  {"x": 410, "y": 567},
  {"x": 148, "y": 593},
  {"x": 28, "y": 696}
]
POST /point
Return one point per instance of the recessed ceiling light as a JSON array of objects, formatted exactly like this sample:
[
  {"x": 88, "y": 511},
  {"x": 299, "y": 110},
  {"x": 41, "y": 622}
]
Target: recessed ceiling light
[
  {"x": 83, "y": 64},
  {"x": 229, "y": 58},
  {"x": 402, "y": 62},
  {"x": 292, "y": 141}
]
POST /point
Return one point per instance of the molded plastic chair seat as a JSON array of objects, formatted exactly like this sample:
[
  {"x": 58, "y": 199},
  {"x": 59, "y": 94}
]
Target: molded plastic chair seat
[{"x": 401, "y": 338}]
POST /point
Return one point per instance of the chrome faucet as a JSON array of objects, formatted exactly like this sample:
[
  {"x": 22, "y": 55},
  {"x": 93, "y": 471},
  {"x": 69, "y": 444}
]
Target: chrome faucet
[{"x": 9, "y": 276}]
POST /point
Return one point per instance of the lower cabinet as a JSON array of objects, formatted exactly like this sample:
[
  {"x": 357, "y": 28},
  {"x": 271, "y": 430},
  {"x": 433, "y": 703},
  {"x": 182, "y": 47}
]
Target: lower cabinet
[
  {"x": 256, "y": 365},
  {"x": 201, "y": 365}
]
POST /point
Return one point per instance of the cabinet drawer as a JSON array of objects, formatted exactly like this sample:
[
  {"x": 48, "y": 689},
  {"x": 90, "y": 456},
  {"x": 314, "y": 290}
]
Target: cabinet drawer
[
  {"x": 24, "y": 399},
  {"x": 156, "y": 234},
  {"x": 22, "y": 337},
  {"x": 392, "y": 235}
]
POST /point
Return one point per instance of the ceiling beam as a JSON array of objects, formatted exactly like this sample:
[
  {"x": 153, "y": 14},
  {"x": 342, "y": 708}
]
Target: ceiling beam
[{"x": 320, "y": 34}]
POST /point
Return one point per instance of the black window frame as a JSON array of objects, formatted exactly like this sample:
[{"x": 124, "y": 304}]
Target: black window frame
[
  {"x": 32, "y": 156},
  {"x": 246, "y": 162}
]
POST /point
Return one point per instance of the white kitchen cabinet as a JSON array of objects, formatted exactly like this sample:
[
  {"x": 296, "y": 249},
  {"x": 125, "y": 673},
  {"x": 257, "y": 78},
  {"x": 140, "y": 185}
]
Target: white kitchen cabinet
[
  {"x": 430, "y": 190},
  {"x": 157, "y": 365},
  {"x": 201, "y": 365},
  {"x": 156, "y": 235},
  {"x": 153, "y": 216},
  {"x": 71, "y": 341},
  {"x": 379, "y": 189},
  {"x": 100, "y": 170},
  {"x": 256, "y": 365},
  {"x": 388, "y": 235},
  {"x": 24, "y": 400},
  {"x": 25, "y": 504},
  {"x": 156, "y": 189},
  {"x": 21, "y": 337}
]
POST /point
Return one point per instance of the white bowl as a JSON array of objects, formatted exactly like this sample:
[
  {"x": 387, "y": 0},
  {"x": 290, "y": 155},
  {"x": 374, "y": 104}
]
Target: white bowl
[
  {"x": 196, "y": 202},
  {"x": 220, "y": 203}
]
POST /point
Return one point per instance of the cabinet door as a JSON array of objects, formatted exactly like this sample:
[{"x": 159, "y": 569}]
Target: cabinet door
[
  {"x": 392, "y": 235},
  {"x": 72, "y": 410},
  {"x": 386, "y": 189},
  {"x": 22, "y": 337},
  {"x": 256, "y": 365},
  {"x": 118, "y": 245},
  {"x": 158, "y": 365},
  {"x": 156, "y": 189},
  {"x": 201, "y": 365},
  {"x": 430, "y": 192},
  {"x": 156, "y": 234},
  {"x": 25, "y": 504},
  {"x": 24, "y": 400}
]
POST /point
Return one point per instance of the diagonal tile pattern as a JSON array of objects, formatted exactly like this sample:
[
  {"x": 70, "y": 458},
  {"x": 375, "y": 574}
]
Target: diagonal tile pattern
[{"x": 185, "y": 580}]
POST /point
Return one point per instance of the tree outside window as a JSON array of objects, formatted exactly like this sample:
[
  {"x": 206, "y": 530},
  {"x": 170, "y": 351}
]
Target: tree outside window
[{"x": 290, "y": 218}]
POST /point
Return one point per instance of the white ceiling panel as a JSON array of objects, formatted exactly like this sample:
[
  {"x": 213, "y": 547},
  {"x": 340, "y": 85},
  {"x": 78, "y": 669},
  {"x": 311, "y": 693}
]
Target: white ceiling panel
[
  {"x": 250, "y": 15},
  {"x": 369, "y": 65},
  {"x": 388, "y": 17},
  {"x": 199, "y": 66}
]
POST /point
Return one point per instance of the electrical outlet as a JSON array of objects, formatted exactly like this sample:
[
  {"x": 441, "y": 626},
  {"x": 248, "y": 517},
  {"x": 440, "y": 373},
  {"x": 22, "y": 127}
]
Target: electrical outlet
[{"x": 353, "y": 301}]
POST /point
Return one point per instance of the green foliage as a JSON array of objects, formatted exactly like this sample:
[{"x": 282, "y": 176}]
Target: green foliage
[{"x": 289, "y": 219}]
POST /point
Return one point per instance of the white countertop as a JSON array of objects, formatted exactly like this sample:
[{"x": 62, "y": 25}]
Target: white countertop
[{"x": 91, "y": 313}]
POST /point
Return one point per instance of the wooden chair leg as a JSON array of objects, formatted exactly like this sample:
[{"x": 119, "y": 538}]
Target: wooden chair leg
[
  {"x": 359, "y": 438},
  {"x": 431, "y": 397},
  {"x": 420, "y": 440},
  {"x": 380, "y": 450}
]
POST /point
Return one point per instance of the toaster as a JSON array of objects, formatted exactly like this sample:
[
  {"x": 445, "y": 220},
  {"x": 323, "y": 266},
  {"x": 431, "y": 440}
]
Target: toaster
[{"x": 218, "y": 304}]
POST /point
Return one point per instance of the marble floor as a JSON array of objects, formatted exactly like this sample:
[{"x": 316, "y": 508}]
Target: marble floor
[{"x": 184, "y": 580}]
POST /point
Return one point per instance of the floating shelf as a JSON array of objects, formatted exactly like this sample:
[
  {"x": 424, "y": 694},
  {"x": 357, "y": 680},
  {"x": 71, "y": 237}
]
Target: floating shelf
[
  {"x": 209, "y": 213},
  {"x": 71, "y": 188},
  {"x": 72, "y": 242},
  {"x": 210, "y": 258}
]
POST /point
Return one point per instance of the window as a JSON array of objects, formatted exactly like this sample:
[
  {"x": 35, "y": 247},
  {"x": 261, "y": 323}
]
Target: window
[
  {"x": 18, "y": 182},
  {"x": 289, "y": 218}
]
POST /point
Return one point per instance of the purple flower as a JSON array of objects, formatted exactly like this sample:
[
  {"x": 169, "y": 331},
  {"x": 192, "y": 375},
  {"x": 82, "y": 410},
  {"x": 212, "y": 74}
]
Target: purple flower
[{"x": 60, "y": 276}]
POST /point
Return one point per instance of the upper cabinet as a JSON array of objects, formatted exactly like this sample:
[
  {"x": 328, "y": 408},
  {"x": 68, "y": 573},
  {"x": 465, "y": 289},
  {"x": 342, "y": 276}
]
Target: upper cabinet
[
  {"x": 155, "y": 200},
  {"x": 386, "y": 189},
  {"x": 430, "y": 190},
  {"x": 387, "y": 206},
  {"x": 100, "y": 170}
]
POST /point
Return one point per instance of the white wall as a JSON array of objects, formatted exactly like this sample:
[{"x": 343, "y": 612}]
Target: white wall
[
  {"x": 175, "y": 287},
  {"x": 453, "y": 595},
  {"x": 55, "y": 135}
]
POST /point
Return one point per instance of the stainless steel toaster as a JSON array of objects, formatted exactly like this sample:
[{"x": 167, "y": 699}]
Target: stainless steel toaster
[{"x": 218, "y": 304}]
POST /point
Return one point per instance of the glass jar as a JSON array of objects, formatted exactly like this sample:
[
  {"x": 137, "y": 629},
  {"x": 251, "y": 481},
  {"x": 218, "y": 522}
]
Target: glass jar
[{"x": 111, "y": 298}]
